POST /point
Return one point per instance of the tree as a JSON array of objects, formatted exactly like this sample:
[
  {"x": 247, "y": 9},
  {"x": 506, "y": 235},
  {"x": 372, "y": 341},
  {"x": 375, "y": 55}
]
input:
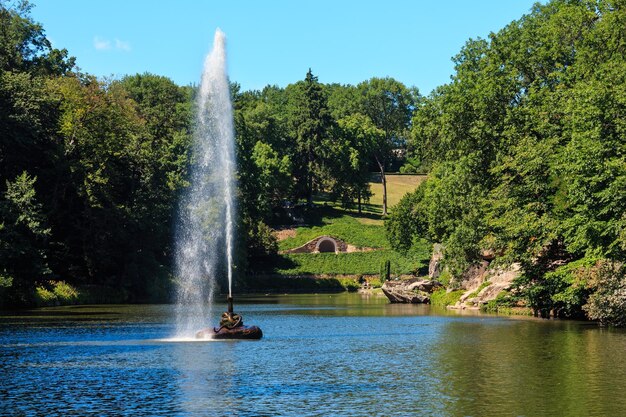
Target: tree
[
  {"x": 24, "y": 46},
  {"x": 362, "y": 138},
  {"x": 314, "y": 126},
  {"x": 23, "y": 237},
  {"x": 389, "y": 104},
  {"x": 273, "y": 177}
]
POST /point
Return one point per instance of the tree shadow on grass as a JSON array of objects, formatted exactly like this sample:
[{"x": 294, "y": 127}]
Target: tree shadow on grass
[{"x": 319, "y": 214}]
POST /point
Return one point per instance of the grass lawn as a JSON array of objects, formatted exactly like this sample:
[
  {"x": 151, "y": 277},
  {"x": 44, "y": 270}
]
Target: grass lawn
[
  {"x": 341, "y": 224},
  {"x": 397, "y": 187},
  {"x": 356, "y": 263},
  {"x": 347, "y": 226}
]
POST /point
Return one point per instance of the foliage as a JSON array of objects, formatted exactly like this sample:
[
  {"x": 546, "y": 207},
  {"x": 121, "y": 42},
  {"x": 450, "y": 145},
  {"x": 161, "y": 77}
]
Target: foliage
[
  {"x": 24, "y": 46},
  {"x": 263, "y": 241},
  {"x": 405, "y": 223},
  {"x": 389, "y": 104},
  {"x": 273, "y": 177},
  {"x": 526, "y": 145},
  {"x": 54, "y": 293},
  {"x": 442, "y": 298},
  {"x": 109, "y": 158},
  {"x": 525, "y": 150},
  {"x": 607, "y": 303},
  {"x": 23, "y": 238}
]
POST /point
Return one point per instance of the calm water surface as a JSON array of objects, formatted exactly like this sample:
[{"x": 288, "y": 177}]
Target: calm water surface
[{"x": 344, "y": 355}]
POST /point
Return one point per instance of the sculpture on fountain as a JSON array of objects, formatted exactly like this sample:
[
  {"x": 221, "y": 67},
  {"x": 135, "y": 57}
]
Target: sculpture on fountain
[{"x": 231, "y": 327}]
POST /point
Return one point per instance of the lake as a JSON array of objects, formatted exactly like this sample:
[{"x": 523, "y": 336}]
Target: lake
[{"x": 321, "y": 355}]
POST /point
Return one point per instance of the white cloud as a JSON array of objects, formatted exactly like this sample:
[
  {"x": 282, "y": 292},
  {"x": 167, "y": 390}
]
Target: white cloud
[
  {"x": 122, "y": 45},
  {"x": 101, "y": 44}
]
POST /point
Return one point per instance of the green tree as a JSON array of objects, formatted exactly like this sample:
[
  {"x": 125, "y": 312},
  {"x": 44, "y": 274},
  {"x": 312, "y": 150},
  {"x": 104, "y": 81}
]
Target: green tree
[
  {"x": 314, "y": 130},
  {"x": 23, "y": 237},
  {"x": 389, "y": 104},
  {"x": 273, "y": 177},
  {"x": 24, "y": 46},
  {"x": 362, "y": 138}
]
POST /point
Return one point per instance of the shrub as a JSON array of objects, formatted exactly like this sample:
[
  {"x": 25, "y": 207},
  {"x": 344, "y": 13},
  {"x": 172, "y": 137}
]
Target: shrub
[
  {"x": 65, "y": 293},
  {"x": 44, "y": 297},
  {"x": 349, "y": 284},
  {"x": 54, "y": 293},
  {"x": 445, "y": 277},
  {"x": 501, "y": 304},
  {"x": 607, "y": 303}
]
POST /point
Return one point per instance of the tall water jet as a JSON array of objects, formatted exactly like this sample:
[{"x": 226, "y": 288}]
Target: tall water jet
[{"x": 204, "y": 242}]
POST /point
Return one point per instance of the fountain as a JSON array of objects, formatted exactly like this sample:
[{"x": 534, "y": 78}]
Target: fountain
[{"x": 205, "y": 231}]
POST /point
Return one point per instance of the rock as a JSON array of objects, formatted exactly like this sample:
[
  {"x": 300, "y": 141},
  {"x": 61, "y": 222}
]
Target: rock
[
  {"x": 474, "y": 276},
  {"x": 415, "y": 290},
  {"x": 434, "y": 266},
  {"x": 499, "y": 280}
]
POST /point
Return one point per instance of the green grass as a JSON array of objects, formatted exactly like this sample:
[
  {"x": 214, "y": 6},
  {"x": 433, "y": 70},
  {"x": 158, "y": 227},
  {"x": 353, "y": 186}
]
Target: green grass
[
  {"x": 340, "y": 224},
  {"x": 356, "y": 263},
  {"x": 349, "y": 227},
  {"x": 397, "y": 187},
  {"x": 442, "y": 298}
]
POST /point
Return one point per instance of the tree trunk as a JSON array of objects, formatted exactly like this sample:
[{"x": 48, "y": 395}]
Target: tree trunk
[
  {"x": 359, "y": 202},
  {"x": 384, "y": 182}
]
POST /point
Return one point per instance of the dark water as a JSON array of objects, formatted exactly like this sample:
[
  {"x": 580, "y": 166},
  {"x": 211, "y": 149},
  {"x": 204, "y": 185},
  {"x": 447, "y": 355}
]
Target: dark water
[{"x": 321, "y": 355}]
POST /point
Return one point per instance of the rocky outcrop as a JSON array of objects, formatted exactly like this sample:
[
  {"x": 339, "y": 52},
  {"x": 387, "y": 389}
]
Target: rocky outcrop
[
  {"x": 415, "y": 290},
  {"x": 435, "y": 267},
  {"x": 492, "y": 283}
]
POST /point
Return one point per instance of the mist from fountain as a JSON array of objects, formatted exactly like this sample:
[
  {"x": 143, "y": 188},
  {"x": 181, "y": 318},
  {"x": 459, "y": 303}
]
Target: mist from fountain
[{"x": 204, "y": 238}]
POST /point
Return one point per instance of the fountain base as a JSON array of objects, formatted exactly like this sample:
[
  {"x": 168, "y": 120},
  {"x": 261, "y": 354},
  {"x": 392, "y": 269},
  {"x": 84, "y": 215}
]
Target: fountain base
[
  {"x": 231, "y": 327},
  {"x": 239, "y": 333}
]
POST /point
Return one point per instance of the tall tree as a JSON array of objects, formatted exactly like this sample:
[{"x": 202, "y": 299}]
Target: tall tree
[
  {"x": 362, "y": 139},
  {"x": 23, "y": 237},
  {"x": 314, "y": 125},
  {"x": 389, "y": 104}
]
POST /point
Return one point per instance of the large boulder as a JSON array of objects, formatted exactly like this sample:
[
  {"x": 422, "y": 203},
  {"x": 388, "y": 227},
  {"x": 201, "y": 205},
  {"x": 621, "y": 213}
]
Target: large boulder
[
  {"x": 494, "y": 282},
  {"x": 414, "y": 290}
]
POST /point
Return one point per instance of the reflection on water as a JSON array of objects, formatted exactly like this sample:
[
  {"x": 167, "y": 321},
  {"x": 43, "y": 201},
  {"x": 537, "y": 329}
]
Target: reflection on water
[
  {"x": 532, "y": 368},
  {"x": 321, "y": 355}
]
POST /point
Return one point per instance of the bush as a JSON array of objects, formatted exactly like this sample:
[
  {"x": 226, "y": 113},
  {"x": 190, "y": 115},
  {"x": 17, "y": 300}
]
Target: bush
[
  {"x": 350, "y": 285},
  {"x": 502, "y": 304},
  {"x": 54, "y": 293},
  {"x": 607, "y": 303},
  {"x": 44, "y": 297}
]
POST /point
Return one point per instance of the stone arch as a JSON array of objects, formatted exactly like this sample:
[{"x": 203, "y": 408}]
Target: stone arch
[{"x": 326, "y": 244}]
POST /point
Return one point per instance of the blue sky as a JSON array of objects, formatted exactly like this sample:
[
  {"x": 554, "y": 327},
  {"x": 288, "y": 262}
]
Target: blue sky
[{"x": 275, "y": 42}]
